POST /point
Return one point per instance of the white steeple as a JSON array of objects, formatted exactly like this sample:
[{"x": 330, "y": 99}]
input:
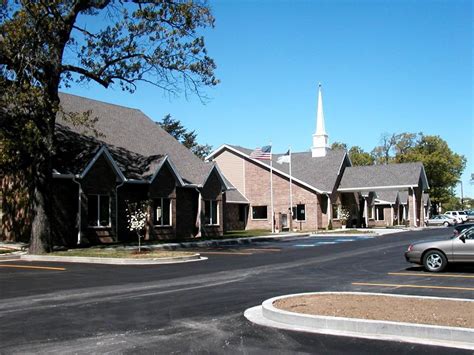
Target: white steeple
[{"x": 320, "y": 138}]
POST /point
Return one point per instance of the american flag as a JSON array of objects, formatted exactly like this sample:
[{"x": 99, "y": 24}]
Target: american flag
[{"x": 264, "y": 153}]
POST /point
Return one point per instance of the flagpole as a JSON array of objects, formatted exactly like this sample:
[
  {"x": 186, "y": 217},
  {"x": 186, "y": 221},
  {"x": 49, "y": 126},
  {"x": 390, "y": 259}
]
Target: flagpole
[
  {"x": 271, "y": 188},
  {"x": 291, "y": 194}
]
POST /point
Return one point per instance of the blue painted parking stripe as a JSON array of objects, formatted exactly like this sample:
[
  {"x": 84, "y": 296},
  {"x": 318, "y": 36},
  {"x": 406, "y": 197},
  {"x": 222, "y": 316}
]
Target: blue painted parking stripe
[{"x": 331, "y": 240}]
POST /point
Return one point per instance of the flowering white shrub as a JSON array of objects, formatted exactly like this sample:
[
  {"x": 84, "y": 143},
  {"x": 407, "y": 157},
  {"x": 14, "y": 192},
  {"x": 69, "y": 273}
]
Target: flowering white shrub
[
  {"x": 344, "y": 215},
  {"x": 137, "y": 215}
]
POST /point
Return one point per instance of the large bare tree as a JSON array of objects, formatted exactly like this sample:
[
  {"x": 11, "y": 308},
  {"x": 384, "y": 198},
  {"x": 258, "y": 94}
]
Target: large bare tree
[{"x": 46, "y": 44}]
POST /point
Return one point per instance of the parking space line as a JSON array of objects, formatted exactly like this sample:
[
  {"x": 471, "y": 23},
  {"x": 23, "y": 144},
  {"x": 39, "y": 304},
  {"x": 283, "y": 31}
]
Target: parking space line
[
  {"x": 224, "y": 253},
  {"x": 430, "y": 275},
  {"x": 34, "y": 267},
  {"x": 414, "y": 286}
]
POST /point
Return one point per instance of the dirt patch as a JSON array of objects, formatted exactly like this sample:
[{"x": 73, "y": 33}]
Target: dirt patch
[
  {"x": 386, "y": 308},
  {"x": 114, "y": 253}
]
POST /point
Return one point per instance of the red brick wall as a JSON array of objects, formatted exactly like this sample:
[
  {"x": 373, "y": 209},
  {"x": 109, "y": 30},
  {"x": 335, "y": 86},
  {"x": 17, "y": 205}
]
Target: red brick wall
[
  {"x": 212, "y": 190},
  {"x": 64, "y": 226},
  {"x": 101, "y": 179},
  {"x": 164, "y": 185},
  {"x": 186, "y": 212},
  {"x": 258, "y": 193}
]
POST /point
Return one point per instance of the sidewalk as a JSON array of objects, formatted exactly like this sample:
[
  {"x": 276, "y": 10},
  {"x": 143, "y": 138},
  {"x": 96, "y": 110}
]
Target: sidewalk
[{"x": 241, "y": 241}]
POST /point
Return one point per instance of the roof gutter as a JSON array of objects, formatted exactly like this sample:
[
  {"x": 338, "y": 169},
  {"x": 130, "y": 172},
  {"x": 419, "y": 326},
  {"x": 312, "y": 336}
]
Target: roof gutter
[{"x": 373, "y": 188}]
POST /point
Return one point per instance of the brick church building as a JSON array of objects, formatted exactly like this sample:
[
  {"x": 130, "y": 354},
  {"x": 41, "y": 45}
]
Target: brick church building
[{"x": 325, "y": 188}]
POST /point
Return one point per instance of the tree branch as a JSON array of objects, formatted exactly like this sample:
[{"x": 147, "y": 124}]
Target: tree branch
[{"x": 72, "y": 68}]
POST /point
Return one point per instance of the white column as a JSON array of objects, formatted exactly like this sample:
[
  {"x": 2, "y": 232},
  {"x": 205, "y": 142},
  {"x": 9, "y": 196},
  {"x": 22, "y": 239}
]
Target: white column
[
  {"x": 422, "y": 214},
  {"x": 392, "y": 212},
  {"x": 198, "y": 219},
  {"x": 366, "y": 212},
  {"x": 271, "y": 195},
  {"x": 316, "y": 212},
  {"x": 414, "y": 209},
  {"x": 329, "y": 209}
]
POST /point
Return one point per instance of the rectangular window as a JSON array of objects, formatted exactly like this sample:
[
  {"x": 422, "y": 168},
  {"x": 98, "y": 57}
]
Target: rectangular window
[
  {"x": 259, "y": 212},
  {"x": 379, "y": 216},
  {"x": 211, "y": 212},
  {"x": 98, "y": 210},
  {"x": 162, "y": 212},
  {"x": 335, "y": 211},
  {"x": 300, "y": 213}
]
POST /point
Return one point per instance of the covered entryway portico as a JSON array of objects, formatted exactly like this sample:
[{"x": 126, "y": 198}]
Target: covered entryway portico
[{"x": 377, "y": 185}]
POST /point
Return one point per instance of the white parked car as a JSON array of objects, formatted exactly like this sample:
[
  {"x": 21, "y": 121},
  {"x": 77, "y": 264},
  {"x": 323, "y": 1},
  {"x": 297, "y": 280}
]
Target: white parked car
[{"x": 460, "y": 216}]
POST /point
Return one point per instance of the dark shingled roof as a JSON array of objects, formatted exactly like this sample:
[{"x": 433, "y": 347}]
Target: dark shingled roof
[
  {"x": 320, "y": 173},
  {"x": 132, "y": 130},
  {"x": 382, "y": 176},
  {"x": 387, "y": 196},
  {"x": 233, "y": 195},
  {"x": 403, "y": 197},
  {"x": 74, "y": 151}
]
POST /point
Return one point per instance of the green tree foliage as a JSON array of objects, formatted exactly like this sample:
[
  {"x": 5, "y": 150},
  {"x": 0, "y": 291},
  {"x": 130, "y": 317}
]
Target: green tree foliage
[
  {"x": 356, "y": 154},
  {"x": 443, "y": 167},
  {"x": 338, "y": 146},
  {"x": 359, "y": 157},
  {"x": 382, "y": 154},
  {"x": 45, "y": 44},
  {"x": 185, "y": 137}
]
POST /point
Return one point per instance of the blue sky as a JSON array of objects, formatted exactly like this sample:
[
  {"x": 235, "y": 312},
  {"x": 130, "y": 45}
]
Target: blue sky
[{"x": 385, "y": 67}]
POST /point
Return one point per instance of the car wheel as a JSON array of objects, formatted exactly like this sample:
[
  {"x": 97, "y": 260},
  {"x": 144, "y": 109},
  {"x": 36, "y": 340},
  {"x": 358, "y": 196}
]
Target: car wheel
[
  {"x": 446, "y": 224},
  {"x": 435, "y": 261}
]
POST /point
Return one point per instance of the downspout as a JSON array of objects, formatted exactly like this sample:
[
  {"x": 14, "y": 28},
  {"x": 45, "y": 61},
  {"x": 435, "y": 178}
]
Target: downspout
[
  {"x": 78, "y": 210},
  {"x": 116, "y": 207},
  {"x": 198, "y": 220}
]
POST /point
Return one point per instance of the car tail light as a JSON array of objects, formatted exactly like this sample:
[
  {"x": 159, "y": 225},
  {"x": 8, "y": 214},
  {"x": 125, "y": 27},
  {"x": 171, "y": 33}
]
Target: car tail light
[{"x": 410, "y": 247}]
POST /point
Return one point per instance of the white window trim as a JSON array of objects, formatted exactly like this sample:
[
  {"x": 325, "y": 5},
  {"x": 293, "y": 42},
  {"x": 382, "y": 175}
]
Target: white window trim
[
  {"x": 259, "y": 219},
  {"x": 171, "y": 213},
  {"x": 98, "y": 226},
  {"x": 210, "y": 213}
]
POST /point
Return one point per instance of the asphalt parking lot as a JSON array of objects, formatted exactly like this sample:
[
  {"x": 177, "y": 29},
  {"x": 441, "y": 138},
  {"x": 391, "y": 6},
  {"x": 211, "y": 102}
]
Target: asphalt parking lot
[{"x": 145, "y": 308}]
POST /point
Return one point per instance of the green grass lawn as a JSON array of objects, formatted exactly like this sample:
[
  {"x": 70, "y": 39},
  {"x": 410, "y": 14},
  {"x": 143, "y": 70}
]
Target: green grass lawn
[
  {"x": 121, "y": 253},
  {"x": 6, "y": 251},
  {"x": 247, "y": 233},
  {"x": 343, "y": 231}
]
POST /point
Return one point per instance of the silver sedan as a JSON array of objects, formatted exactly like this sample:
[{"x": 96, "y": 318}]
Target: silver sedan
[
  {"x": 441, "y": 220},
  {"x": 435, "y": 255}
]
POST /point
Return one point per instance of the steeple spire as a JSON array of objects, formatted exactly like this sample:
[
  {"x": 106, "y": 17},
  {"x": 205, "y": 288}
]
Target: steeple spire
[
  {"x": 320, "y": 137},
  {"x": 320, "y": 130}
]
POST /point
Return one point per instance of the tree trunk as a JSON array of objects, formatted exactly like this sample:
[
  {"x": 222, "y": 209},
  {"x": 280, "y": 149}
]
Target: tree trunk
[
  {"x": 41, "y": 241},
  {"x": 41, "y": 238}
]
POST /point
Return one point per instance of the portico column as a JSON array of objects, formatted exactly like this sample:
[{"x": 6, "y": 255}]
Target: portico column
[
  {"x": 329, "y": 210},
  {"x": 414, "y": 208},
  {"x": 366, "y": 212},
  {"x": 391, "y": 210},
  {"x": 422, "y": 214}
]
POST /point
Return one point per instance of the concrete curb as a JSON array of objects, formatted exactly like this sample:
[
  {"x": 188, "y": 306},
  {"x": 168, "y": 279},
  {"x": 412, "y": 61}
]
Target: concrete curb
[
  {"x": 268, "y": 315},
  {"x": 113, "y": 261}
]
